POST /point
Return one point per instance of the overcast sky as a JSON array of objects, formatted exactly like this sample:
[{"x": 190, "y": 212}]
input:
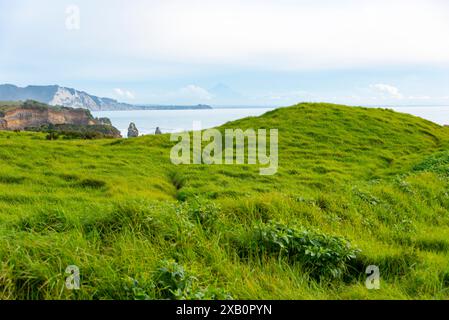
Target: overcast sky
[{"x": 232, "y": 52}]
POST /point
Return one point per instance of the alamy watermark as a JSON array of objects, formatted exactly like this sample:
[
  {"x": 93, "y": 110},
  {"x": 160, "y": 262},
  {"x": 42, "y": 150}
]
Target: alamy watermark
[
  {"x": 373, "y": 280},
  {"x": 73, "y": 17},
  {"x": 230, "y": 150},
  {"x": 72, "y": 282}
]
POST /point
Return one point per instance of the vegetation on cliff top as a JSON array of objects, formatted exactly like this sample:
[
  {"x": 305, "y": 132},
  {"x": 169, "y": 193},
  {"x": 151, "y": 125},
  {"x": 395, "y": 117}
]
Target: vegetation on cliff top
[
  {"x": 31, "y": 104},
  {"x": 355, "y": 187},
  {"x": 70, "y": 131}
]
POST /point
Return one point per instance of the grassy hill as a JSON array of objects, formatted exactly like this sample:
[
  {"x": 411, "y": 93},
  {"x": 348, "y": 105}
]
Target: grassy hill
[{"x": 355, "y": 187}]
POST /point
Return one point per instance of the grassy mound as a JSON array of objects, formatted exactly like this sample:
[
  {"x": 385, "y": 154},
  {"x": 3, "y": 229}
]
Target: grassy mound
[{"x": 355, "y": 187}]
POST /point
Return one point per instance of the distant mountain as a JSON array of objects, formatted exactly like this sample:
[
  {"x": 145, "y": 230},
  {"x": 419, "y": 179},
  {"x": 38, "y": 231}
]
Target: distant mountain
[
  {"x": 67, "y": 97},
  {"x": 224, "y": 94},
  {"x": 62, "y": 96}
]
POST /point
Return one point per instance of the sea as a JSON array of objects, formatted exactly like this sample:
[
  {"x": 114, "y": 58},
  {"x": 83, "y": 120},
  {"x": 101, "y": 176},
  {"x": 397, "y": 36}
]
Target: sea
[{"x": 182, "y": 120}]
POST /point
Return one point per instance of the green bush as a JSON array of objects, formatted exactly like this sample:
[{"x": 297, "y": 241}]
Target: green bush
[
  {"x": 174, "y": 282},
  {"x": 52, "y": 135},
  {"x": 204, "y": 212},
  {"x": 438, "y": 163},
  {"x": 72, "y": 131},
  {"x": 322, "y": 254},
  {"x": 134, "y": 290}
]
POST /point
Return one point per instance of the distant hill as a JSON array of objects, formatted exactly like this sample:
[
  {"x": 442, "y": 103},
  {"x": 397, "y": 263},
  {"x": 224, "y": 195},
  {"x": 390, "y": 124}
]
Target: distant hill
[
  {"x": 225, "y": 94},
  {"x": 68, "y": 97},
  {"x": 173, "y": 107},
  {"x": 62, "y": 96}
]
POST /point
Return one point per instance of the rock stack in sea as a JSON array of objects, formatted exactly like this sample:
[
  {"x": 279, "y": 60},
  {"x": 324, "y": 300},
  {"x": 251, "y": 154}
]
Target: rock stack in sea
[{"x": 132, "y": 131}]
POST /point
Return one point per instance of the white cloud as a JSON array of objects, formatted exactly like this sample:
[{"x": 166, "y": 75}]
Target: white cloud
[
  {"x": 124, "y": 93},
  {"x": 387, "y": 90},
  {"x": 296, "y": 34},
  {"x": 274, "y": 34}
]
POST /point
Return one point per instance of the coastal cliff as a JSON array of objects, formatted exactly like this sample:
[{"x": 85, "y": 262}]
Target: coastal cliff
[{"x": 35, "y": 116}]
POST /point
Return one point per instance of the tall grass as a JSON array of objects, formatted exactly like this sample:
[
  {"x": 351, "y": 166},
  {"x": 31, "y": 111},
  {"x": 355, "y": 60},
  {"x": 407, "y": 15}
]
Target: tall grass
[{"x": 355, "y": 187}]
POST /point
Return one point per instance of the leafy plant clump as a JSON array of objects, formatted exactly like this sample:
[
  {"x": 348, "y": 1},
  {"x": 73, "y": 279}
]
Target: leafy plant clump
[
  {"x": 438, "y": 163},
  {"x": 322, "y": 254},
  {"x": 72, "y": 131},
  {"x": 204, "y": 212},
  {"x": 173, "y": 282}
]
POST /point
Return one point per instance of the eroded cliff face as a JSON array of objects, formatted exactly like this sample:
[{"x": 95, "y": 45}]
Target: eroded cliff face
[{"x": 21, "y": 118}]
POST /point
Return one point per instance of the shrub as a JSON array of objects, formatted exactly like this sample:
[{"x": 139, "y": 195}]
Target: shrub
[
  {"x": 204, "y": 212},
  {"x": 134, "y": 290},
  {"x": 322, "y": 254},
  {"x": 172, "y": 281},
  {"x": 438, "y": 162},
  {"x": 52, "y": 135},
  {"x": 73, "y": 131}
]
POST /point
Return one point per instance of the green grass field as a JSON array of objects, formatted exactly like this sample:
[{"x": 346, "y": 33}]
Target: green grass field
[{"x": 355, "y": 187}]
